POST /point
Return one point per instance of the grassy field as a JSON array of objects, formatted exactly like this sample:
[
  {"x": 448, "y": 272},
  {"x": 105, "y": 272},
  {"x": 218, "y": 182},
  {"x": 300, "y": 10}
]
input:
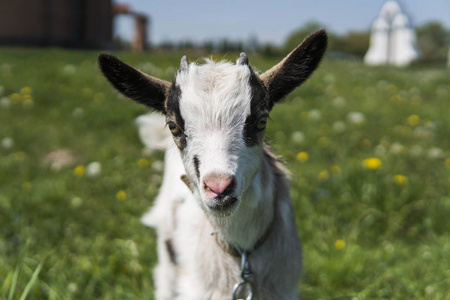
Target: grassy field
[{"x": 369, "y": 151}]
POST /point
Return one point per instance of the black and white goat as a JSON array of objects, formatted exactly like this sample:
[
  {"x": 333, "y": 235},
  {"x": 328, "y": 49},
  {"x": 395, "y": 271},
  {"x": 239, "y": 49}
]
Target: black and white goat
[{"x": 230, "y": 225}]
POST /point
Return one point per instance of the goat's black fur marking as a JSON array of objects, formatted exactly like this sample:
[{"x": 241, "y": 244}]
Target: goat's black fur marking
[
  {"x": 197, "y": 166},
  {"x": 296, "y": 67},
  {"x": 173, "y": 112},
  {"x": 258, "y": 106},
  {"x": 171, "y": 251},
  {"x": 173, "y": 105},
  {"x": 134, "y": 84}
]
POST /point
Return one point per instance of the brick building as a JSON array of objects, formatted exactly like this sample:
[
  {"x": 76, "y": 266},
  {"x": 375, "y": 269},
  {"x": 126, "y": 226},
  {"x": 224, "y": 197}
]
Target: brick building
[{"x": 60, "y": 23}]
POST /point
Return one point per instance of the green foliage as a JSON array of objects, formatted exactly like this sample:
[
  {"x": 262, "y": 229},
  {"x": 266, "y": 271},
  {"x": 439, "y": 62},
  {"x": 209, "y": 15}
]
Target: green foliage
[
  {"x": 371, "y": 229},
  {"x": 296, "y": 37},
  {"x": 433, "y": 39},
  {"x": 350, "y": 44}
]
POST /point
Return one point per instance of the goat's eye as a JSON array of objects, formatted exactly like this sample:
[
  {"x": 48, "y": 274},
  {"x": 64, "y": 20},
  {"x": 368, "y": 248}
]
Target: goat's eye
[
  {"x": 174, "y": 129},
  {"x": 261, "y": 124}
]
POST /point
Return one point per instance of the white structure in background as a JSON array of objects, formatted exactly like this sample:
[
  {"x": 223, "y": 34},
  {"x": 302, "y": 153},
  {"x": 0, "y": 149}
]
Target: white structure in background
[{"x": 393, "y": 41}]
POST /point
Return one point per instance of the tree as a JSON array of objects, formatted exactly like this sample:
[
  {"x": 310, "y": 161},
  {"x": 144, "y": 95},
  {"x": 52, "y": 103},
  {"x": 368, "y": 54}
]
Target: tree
[
  {"x": 354, "y": 43},
  {"x": 295, "y": 38},
  {"x": 433, "y": 39}
]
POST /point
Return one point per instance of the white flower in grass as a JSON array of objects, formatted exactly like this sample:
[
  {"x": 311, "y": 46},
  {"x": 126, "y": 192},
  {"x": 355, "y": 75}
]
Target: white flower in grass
[
  {"x": 147, "y": 152},
  {"x": 297, "y": 137},
  {"x": 72, "y": 287},
  {"x": 397, "y": 148},
  {"x": 155, "y": 178},
  {"x": 427, "y": 255},
  {"x": 382, "y": 84},
  {"x": 7, "y": 143},
  {"x": 356, "y": 118},
  {"x": 5, "y": 102},
  {"x": 414, "y": 90},
  {"x": 158, "y": 166},
  {"x": 435, "y": 153},
  {"x": 69, "y": 69},
  {"x": 315, "y": 115},
  {"x": 170, "y": 72},
  {"x": 78, "y": 112},
  {"x": 429, "y": 290},
  {"x": 76, "y": 202},
  {"x": 338, "y": 126},
  {"x": 5, "y": 68},
  {"x": 93, "y": 169},
  {"x": 132, "y": 247},
  {"x": 380, "y": 150},
  {"x": 149, "y": 68},
  {"x": 416, "y": 150},
  {"x": 329, "y": 78}
]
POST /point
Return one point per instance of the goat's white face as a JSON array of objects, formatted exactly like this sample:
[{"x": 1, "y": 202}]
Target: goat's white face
[
  {"x": 209, "y": 111},
  {"x": 217, "y": 114}
]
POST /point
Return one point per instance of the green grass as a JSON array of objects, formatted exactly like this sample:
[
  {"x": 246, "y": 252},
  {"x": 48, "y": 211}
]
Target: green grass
[{"x": 64, "y": 236}]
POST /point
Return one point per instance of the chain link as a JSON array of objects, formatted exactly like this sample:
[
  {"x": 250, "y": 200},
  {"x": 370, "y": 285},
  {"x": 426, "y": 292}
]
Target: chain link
[{"x": 246, "y": 274}]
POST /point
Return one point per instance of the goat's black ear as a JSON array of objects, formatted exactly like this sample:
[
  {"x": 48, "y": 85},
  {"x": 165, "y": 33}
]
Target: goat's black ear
[
  {"x": 295, "y": 68},
  {"x": 134, "y": 84}
]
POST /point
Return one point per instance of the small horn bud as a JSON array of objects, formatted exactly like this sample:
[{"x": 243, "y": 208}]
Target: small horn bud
[
  {"x": 243, "y": 59},
  {"x": 184, "y": 64}
]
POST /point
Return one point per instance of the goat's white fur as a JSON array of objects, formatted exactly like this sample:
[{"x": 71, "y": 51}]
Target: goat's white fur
[{"x": 215, "y": 102}]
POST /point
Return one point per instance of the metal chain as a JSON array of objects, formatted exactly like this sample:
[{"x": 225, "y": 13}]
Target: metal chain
[{"x": 246, "y": 274}]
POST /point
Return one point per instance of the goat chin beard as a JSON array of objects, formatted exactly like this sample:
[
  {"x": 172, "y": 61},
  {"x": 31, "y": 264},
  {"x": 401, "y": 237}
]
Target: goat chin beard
[{"x": 216, "y": 208}]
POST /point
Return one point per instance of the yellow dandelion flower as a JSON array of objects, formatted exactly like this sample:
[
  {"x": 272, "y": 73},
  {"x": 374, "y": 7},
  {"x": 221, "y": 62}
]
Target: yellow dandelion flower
[
  {"x": 384, "y": 143},
  {"x": 447, "y": 162},
  {"x": 302, "y": 157},
  {"x": 331, "y": 90},
  {"x": 324, "y": 175},
  {"x": 26, "y": 90},
  {"x": 121, "y": 195},
  {"x": 372, "y": 163},
  {"x": 366, "y": 143},
  {"x": 304, "y": 115},
  {"x": 405, "y": 130},
  {"x": 28, "y": 102},
  {"x": 79, "y": 171},
  {"x": 413, "y": 120},
  {"x": 143, "y": 163},
  {"x": 99, "y": 97},
  {"x": 324, "y": 141},
  {"x": 20, "y": 156},
  {"x": 358, "y": 91},
  {"x": 396, "y": 99},
  {"x": 15, "y": 97},
  {"x": 339, "y": 244},
  {"x": 26, "y": 186},
  {"x": 415, "y": 101},
  {"x": 304, "y": 182},
  {"x": 391, "y": 88},
  {"x": 335, "y": 169},
  {"x": 86, "y": 92},
  {"x": 400, "y": 180}
]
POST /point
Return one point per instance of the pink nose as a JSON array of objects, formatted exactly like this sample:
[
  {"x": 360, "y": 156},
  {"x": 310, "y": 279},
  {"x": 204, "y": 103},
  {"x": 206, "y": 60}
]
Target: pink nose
[{"x": 216, "y": 184}]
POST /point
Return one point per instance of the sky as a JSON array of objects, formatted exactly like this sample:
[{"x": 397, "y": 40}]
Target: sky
[{"x": 268, "y": 21}]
